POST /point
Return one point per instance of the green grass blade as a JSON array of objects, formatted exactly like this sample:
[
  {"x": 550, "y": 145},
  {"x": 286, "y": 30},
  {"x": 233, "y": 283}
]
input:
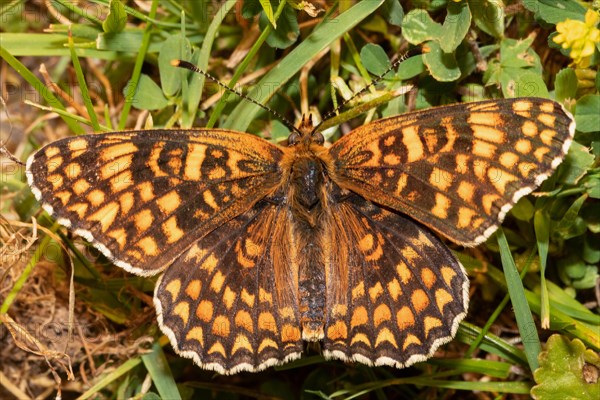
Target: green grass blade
[
  {"x": 195, "y": 88},
  {"x": 85, "y": 94},
  {"x": 110, "y": 378},
  {"x": 244, "y": 64},
  {"x": 525, "y": 322},
  {"x": 319, "y": 39},
  {"x": 158, "y": 367},
  {"x": 137, "y": 69},
  {"x": 40, "y": 87}
]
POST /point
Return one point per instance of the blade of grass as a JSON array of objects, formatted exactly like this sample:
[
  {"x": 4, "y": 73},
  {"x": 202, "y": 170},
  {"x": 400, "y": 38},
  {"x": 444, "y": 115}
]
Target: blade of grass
[
  {"x": 497, "y": 311},
  {"x": 195, "y": 89},
  {"x": 47, "y": 44},
  {"x": 66, "y": 114},
  {"x": 525, "y": 322},
  {"x": 70, "y": 5},
  {"x": 541, "y": 224},
  {"x": 158, "y": 368},
  {"x": 40, "y": 87},
  {"x": 83, "y": 86},
  {"x": 111, "y": 377},
  {"x": 587, "y": 332},
  {"x": 137, "y": 69},
  {"x": 501, "y": 387},
  {"x": 242, "y": 68},
  {"x": 491, "y": 343},
  {"x": 327, "y": 32}
]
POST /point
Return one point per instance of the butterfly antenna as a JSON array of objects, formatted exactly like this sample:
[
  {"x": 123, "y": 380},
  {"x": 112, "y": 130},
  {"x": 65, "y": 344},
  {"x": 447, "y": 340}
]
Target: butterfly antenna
[
  {"x": 192, "y": 67},
  {"x": 369, "y": 86}
]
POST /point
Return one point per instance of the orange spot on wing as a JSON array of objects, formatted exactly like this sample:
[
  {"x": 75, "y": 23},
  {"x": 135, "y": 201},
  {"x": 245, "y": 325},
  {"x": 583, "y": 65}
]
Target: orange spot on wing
[{"x": 419, "y": 300}]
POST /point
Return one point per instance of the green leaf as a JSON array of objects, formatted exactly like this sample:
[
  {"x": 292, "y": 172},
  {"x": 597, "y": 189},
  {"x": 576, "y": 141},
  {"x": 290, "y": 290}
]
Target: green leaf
[
  {"x": 523, "y": 210},
  {"x": 127, "y": 41},
  {"x": 393, "y": 12},
  {"x": 555, "y": 11},
  {"x": 158, "y": 368},
  {"x": 592, "y": 186},
  {"x": 525, "y": 323},
  {"x": 587, "y": 113},
  {"x": 175, "y": 48},
  {"x": 568, "y": 220},
  {"x": 564, "y": 366},
  {"x": 418, "y": 27},
  {"x": 519, "y": 54},
  {"x": 576, "y": 164},
  {"x": 528, "y": 84},
  {"x": 148, "y": 95},
  {"x": 410, "y": 68},
  {"x": 541, "y": 224},
  {"x": 251, "y": 9},
  {"x": 116, "y": 19},
  {"x": 591, "y": 249},
  {"x": 287, "y": 30},
  {"x": 455, "y": 27},
  {"x": 565, "y": 84},
  {"x": 268, "y": 12},
  {"x": 442, "y": 66},
  {"x": 488, "y": 15},
  {"x": 374, "y": 58}
]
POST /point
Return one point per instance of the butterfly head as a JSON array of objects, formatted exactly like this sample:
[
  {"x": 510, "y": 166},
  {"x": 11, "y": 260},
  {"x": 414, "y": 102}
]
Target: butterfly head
[{"x": 305, "y": 133}]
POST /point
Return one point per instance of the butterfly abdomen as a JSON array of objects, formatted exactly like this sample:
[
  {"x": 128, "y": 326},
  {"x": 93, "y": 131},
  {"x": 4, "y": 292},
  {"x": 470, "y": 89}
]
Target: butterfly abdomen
[{"x": 306, "y": 202}]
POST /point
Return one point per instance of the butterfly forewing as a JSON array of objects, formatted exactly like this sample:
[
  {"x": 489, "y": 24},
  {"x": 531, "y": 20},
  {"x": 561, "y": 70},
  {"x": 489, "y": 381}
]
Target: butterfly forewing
[
  {"x": 403, "y": 293},
  {"x": 457, "y": 169},
  {"x": 229, "y": 302},
  {"x": 143, "y": 197}
]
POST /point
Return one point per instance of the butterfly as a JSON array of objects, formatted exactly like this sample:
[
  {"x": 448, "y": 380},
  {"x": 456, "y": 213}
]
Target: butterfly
[{"x": 264, "y": 247}]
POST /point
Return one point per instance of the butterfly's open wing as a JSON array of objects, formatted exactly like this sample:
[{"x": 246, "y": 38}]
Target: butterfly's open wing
[
  {"x": 395, "y": 292},
  {"x": 457, "y": 169},
  {"x": 143, "y": 197},
  {"x": 230, "y": 301}
]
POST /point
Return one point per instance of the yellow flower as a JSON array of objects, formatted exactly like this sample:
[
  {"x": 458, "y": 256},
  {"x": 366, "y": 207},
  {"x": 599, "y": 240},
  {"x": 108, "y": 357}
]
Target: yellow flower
[{"x": 581, "y": 37}]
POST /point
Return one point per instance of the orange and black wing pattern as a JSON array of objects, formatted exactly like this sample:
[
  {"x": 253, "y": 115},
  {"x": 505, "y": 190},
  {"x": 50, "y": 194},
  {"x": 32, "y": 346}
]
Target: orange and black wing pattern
[
  {"x": 456, "y": 169},
  {"x": 144, "y": 197},
  {"x": 230, "y": 301},
  {"x": 396, "y": 292}
]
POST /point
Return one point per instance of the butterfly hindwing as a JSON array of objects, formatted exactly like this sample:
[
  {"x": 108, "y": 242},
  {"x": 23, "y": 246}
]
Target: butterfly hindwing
[
  {"x": 402, "y": 293},
  {"x": 229, "y": 302},
  {"x": 143, "y": 197},
  {"x": 457, "y": 169}
]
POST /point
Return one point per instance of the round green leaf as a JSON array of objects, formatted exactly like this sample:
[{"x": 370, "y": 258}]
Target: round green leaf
[
  {"x": 116, "y": 19},
  {"x": 587, "y": 113},
  {"x": 410, "y": 68},
  {"x": 374, "y": 58},
  {"x": 418, "y": 27},
  {"x": 488, "y": 15},
  {"x": 442, "y": 66},
  {"x": 174, "y": 48},
  {"x": 148, "y": 95},
  {"x": 530, "y": 84},
  {"x": 565, "y": 84},
  {"x": 287, "y": 30},
  {"x": 456, "y": 25}
]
